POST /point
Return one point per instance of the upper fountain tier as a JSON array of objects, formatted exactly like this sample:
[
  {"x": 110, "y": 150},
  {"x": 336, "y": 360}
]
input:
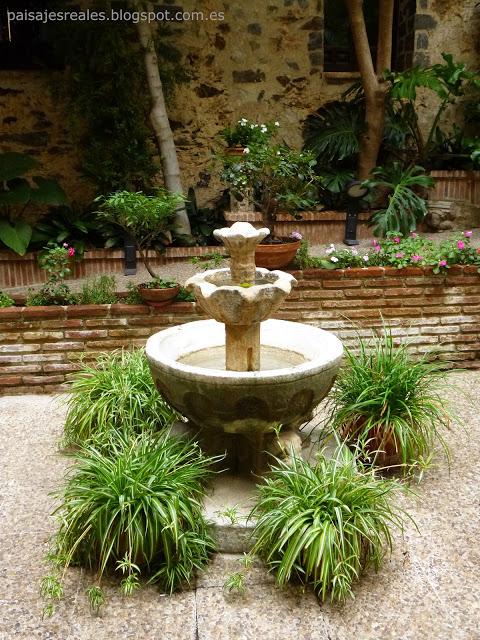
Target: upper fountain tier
[{"x": 242, "y": 294}]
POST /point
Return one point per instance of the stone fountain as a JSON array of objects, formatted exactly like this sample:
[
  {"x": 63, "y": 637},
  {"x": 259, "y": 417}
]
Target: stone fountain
[{"x": 245, "y": 382}]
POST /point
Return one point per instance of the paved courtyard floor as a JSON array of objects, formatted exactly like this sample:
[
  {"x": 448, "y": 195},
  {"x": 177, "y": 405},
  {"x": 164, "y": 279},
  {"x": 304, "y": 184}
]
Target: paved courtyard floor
[{"x": 427, "y": 590}]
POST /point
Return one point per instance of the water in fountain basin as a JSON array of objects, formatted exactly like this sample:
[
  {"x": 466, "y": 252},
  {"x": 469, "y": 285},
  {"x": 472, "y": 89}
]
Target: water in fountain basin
[{"x": 270, "y": 358}]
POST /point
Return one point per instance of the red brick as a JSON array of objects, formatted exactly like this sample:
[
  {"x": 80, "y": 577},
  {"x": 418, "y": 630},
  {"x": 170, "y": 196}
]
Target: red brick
[
  {"x": 10, "y": 381},
  {"x": 321, "y": 294},
  {"x": 134, "y": 332},
  {"x": 439, "y": 311},
  {"x": 401, "y": 312},
  {"x": 471, "y": 268},
  {"x": 44, "y": 312},
  {"x": 462, "y": 299},
  {"x": 34, "y": 380},
  {"x": 463, "y": 280},
  {"x": 343, "y": 284},
  {"x": 130, "y": 310},
  {"x": 63, "y": 346},
  {"x": 86, "y": 334},
  {"x": 67, "y": 367},
  {"x": 411, "y": 271},
  {"x": 179, "y": 307},
  {"x": 403, "y": 292},
  {"x": 61, "y": 324},
  {"x": 88, "y": 310},
  {"x": 106, "y": 345},
  {"x": 19, "y": 348},
  {"x": 10, "y": 313},
  {"x": 42, "y": 336},
  {"x": 391, "y": 272},
  {"x": 323, "y": 274},
  {"x": 106, "y": 322},
  {"x": 364, "y": 272},
  {"x": 342, "y": 304},
  {"x": 385, "y": 282}
]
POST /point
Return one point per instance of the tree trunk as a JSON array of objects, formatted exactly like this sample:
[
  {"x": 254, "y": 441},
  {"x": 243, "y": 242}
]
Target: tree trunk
[
  {"x": 161, "y": 125},
  {"x": 374, "y": 88}
]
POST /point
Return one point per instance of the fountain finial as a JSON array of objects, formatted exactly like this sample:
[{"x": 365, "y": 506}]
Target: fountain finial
[{"x": 241, "y": 239}]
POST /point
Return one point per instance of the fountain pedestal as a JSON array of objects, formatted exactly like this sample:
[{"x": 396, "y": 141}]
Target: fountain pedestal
[{"x": 247, "y": 382}]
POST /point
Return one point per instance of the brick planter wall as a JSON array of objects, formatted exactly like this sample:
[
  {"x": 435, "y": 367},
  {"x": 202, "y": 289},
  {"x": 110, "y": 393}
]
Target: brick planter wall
[
  {"x": 318, "y": 227},
  {"x": 40, "y": 346},
  {"x": 21, "y": 271}
]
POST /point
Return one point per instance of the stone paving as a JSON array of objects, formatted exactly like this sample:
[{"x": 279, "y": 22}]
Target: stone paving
[{"x": 427, "y": 590}]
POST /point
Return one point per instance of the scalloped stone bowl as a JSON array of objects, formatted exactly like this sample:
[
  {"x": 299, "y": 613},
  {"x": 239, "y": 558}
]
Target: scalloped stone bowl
[
  {"x": 299, "y": 365},
  {"x": 237, "y": 305}
]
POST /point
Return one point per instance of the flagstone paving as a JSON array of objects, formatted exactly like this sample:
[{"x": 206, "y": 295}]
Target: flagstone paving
[{"x": 427, "y": 590}]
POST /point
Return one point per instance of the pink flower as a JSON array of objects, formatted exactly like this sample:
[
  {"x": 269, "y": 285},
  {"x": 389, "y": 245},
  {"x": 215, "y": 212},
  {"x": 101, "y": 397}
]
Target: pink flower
[
  {"x": 65, "y": 245},
  {"x": 468, "y": 234},
  {"x": 413, "y": 234},
  {"x": 400, "y": 254},
  {"x": 442, "y": 263},
  {"x": 71, "y": 252},
  {"x": 460, "y": 244},
  {"x": 377, "y": 248},
  {"x": 375, "y": 243},
  {"x": 296, "y": 235},
  {"x": 416, "y": 258},
  {"x": 396, "y": 239}
]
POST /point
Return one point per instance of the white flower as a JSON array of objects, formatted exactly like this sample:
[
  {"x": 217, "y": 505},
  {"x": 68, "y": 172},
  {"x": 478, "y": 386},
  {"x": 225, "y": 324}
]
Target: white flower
[
  {"x": 330, "y": 249},
  {"x": 277, "y": 124},
  {"x": 279, "y": 153},
  {"x": 263, "y": 128},
  {"x": 334, "y": 259},
  {"x": 246, "y": 150},
  {"x": 354, "y": 252},
  {"x": 365, "y": 257}
]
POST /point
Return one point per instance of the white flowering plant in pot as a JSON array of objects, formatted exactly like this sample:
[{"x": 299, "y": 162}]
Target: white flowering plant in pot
[{"x": 245, "y": 133}]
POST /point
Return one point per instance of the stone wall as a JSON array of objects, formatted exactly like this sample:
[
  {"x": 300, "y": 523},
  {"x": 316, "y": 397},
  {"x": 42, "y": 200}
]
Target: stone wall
[
  {"x": 40, "y": 346},
  {"x": 264, "y": 60}
]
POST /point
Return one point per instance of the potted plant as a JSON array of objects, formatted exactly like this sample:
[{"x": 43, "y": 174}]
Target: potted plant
[
  {"x": 280, "y": 179},
  {"x": 389, "y": 406},
  {"x": 245, "y": 134},
  {"x": 147, "y": 220}
]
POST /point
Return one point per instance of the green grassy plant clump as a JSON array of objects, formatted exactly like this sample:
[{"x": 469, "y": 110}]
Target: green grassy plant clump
[
  {"x": 116, "y": 392},
  {"x": 323, "y": 524},
  {"x": 390, "y": 405},
  {"x": 6, "y": 300},
  {"x": 132, "y": 509},
  {"x": 100, "y": 290}
]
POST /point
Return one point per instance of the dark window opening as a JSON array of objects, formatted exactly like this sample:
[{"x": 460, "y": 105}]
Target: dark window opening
[{"x": 339, "y": 52}]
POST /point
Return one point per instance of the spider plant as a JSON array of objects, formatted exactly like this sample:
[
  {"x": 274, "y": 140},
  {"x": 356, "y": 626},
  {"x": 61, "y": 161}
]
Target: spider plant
[
  {"x": 133, "y": 508},
  {"x": 389, "y": 404},
  {"x": 324, "y": 524},
  {"x": 405, "y": 208},
  {"x": 117, "y": 391}
]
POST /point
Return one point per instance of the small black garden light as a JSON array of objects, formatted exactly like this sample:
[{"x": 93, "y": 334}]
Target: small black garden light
[
  {"x": 356, "y": 190},
  {"x": 130, "y": 257}
]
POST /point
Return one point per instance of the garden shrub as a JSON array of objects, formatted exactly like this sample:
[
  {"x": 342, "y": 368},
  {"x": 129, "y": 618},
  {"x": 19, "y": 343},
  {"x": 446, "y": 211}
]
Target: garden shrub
[
  {"x": 134, "y": 509},
  {"x": 323, "y": 524},
  {"x": 116, "y": 392}
]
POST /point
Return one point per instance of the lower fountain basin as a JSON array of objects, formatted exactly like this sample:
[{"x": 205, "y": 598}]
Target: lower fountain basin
[{"x": 300, "y": 365}]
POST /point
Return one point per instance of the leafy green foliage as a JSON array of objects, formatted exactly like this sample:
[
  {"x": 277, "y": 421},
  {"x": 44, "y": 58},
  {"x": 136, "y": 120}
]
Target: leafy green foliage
[
  {"x": 278, "y": 178},
  {"x": 100, "y": 290},
  {"x": 235, "y": 583},
  {"x": 5, "y": 300},
  {"x": 143, "y": 218},
  {"x": 324, "y": 524},
  {"x": 406, "y": 209},
  {"x": 333, "y": 132},
  {"x": 117, "y": 392},
  {"x": 64, "y": 224},
  {"x": 389, "y": 404},
  {"x": 16, "y": 193},
  {"x": 56, "y": 262},
  {"x": 247, "y": 133},
  {"x": 135, "y": 507}
]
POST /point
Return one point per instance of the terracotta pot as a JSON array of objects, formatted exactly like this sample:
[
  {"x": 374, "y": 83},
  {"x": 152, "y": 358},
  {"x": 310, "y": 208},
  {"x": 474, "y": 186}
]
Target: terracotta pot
[
  {"x": 275, "y": 256},
  {"x": 235, "y": 151},
  {"x": 382, "y": 446},
  {"x": 158, "y": 297}
]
